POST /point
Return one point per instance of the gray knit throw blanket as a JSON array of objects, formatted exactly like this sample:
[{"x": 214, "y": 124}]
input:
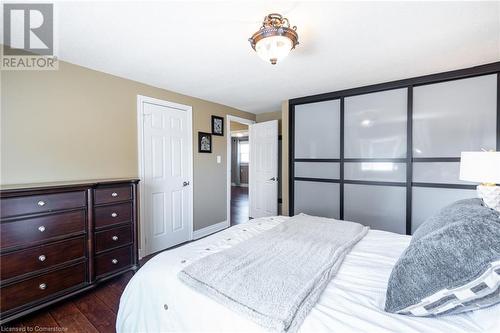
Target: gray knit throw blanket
[{"x": 276, "y": 277}]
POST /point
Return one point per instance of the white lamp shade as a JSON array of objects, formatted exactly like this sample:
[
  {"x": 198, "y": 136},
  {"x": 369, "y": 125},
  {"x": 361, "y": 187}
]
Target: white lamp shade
[
  {"x": 480, "y": 167},
  {"x": 273, "y": 48}
]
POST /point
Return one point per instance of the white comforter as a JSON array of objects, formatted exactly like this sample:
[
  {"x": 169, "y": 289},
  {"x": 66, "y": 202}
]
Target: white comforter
[{"x": 155, "y": 300}]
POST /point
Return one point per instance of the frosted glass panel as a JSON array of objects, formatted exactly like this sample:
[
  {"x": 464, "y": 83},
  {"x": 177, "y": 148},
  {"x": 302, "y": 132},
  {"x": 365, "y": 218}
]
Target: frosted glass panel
[
  {"x": 375, "y": 124},
  {"x": 319, "y": 199},
  {"x": 375, "y": 171},
  {"x": 317, "y": 170},
  {"x": 380, "y": 207},
  {"x": 317, "y": 130},
  {"x": 437, "y": 172},
  {"x": 454, "y": 116},
  {"x": 428, "y": 201}
]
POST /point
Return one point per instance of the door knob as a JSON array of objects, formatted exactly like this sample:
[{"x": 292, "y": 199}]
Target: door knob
[
  {"x": 273, "y": 179},
  {"x": 185, "y": 184}
]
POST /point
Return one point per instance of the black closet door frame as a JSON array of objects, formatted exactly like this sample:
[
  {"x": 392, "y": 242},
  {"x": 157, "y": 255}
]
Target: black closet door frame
[{"x": 409, "y": 84}]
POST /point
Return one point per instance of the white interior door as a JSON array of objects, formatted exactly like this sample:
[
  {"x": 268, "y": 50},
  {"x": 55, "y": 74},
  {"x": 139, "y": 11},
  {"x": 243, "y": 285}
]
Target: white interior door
[
  {"x": 167, "y": 171},
  {"x": 263, "y": 169}
]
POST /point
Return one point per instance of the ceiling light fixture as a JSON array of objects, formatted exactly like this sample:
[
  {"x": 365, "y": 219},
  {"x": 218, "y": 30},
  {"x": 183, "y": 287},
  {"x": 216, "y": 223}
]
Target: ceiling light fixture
[{"x": 275, "y": 39}]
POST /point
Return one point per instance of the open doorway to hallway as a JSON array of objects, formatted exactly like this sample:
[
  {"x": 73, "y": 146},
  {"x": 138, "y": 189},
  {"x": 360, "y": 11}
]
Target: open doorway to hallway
[{"x": 240, "y": 161}]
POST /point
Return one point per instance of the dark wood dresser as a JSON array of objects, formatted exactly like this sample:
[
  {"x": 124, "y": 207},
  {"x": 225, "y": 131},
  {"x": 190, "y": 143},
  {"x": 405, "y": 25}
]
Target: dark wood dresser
[{"x": 60, "y": 239}]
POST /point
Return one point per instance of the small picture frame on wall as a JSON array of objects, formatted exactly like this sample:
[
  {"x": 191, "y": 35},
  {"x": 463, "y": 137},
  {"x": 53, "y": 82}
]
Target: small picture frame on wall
[
  {"x": 204, "y": 142},
  {"x": 217, "y": 125}
]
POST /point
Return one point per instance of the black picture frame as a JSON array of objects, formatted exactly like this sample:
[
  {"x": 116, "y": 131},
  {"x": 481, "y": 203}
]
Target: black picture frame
[
  {"x": 202, "y": 145},
  {"x": 217, "y": 130}
]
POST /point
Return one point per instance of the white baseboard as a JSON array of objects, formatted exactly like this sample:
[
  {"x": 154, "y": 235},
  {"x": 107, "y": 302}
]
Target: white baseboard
[{"x": 210, "y": 229}]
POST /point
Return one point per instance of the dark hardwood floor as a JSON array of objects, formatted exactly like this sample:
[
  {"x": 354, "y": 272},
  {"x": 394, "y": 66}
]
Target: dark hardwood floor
[
  {"x": 239, "y": 204},
  {"x": 92, "y": 311}
]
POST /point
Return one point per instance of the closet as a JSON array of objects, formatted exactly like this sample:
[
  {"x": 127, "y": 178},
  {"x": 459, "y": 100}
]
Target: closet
[{"x": 388, "y": 155}]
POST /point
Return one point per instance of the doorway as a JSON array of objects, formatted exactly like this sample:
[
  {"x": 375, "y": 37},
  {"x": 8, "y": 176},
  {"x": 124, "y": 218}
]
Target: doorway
[
  {"x": 166, "y": 173},
  {"x": 238, "y": 160},
  {"x": 240, "y": 163}
]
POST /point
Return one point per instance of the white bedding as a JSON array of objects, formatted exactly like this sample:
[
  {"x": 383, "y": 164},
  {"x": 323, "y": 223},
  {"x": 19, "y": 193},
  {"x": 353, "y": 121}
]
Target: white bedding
[{"x": 155, "y": 300}]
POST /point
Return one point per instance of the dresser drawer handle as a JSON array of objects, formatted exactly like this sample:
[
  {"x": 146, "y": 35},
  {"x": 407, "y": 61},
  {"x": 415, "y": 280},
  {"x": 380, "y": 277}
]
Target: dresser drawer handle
[
  {"x": 42, "y": 257},
  {"x": 41, "y": 228},
  {"x": 41, "y": 203},
  {"x": 115, "y": 238},
  {"x": 114, "y": 214},
  {"x": 42, "y": 286},
  {"x": 114, "y": 194},
  {"x": 114, "y": 261}
]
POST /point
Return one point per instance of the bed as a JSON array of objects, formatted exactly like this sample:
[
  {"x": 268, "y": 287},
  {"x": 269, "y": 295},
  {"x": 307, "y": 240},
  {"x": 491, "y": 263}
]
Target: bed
[{"x": 155, "y": 300}]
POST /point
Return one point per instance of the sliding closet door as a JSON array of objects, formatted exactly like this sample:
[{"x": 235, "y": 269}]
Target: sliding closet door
[
  {"x": 317, "y": 157},
  {"x": 375, "y": 125},
  {"x": 374, "y": 155},
  {"x": 388, "y": 155},
  {"x": 454, "y": 116},
  {"x": 448, "y": 118}
]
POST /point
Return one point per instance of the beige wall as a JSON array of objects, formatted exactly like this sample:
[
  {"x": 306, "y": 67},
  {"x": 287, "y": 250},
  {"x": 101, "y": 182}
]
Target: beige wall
[
  {"x": 284, "y": 158},
  {"x": 77, "y": 123},
  {"x": 235, "y": 126}
]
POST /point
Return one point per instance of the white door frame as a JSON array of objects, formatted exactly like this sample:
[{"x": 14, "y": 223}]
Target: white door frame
[
  {"x": 140, "y": 149},
  {"x": 230, "y": 118}
]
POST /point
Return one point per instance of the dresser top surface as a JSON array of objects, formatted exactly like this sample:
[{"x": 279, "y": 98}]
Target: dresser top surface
[{"x": 61, "y": 184}]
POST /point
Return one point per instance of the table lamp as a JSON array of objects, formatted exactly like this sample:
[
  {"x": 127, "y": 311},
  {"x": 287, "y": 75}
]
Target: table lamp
[{"x": 484, "y": 168}]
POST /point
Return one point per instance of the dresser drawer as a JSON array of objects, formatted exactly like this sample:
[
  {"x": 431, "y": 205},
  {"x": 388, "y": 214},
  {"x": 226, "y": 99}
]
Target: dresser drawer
[
  {"x": 113, "y": 214},
  {"x": 113, "y": 261},
  {"x": 41, "y": 257},
  {"x": 105, "y": 240},
  {"x": 112, "y": 194},
  {"x": 37, "y": 229},
  {"x": 41, "y": 203},
  {"x": 41, "y": 287}
]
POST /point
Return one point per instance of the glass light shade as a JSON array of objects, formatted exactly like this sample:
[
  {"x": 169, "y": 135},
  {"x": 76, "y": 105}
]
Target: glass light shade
[
  {"x": 273, "y": 48},
  {"x": 480, "y": 167}
]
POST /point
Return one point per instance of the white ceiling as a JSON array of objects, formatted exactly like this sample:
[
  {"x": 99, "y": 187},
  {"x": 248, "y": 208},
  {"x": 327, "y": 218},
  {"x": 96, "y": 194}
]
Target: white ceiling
[{"x": 201, "y": 48}]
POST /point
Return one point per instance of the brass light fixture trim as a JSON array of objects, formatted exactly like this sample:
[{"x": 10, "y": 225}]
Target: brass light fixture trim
[{"x": 275, "y": 25}]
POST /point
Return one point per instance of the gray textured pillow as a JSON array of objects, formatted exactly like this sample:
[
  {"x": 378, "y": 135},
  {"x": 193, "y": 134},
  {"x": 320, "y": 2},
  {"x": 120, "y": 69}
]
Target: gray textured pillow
[{"x": 452, "y": 264}]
